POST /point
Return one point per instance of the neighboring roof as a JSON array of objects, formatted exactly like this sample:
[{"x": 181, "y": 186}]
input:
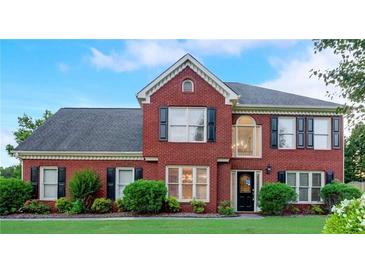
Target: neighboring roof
[
  {"x": 187, "y": 61},
  {"x": 264, "y": 97},
  {"x": 88, "y": 129}
]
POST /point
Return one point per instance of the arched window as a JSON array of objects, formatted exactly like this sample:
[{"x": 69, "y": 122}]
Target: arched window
[
  {"x": 187, "y": 86},
  {"x": 246, "y": 138}
]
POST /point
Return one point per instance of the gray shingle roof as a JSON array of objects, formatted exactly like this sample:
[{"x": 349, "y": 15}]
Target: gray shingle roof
[
  {"x": 258, "y": 96},
  {"x": 88, "y": 129}
]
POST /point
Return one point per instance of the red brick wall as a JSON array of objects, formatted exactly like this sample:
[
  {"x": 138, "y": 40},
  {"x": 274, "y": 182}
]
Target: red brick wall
[
  {"x": 188, "y": 153},
  {"x": 149, "y": 169}
]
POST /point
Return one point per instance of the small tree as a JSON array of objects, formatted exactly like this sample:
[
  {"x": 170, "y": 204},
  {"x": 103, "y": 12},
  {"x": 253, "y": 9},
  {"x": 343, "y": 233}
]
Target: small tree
[
  {"x": 355, "y": 155},
  {"x": 84, "y": 185},
  {"x": 334, "y": 193}
]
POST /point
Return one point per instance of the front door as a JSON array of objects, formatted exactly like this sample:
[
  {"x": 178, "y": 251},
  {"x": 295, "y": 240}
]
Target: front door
[{"x": 245, "y": 191}]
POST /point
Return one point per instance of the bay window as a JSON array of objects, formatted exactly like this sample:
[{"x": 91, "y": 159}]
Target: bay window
[
  {"x": 307, "y": 185},
  {"x": 246, "y": 138},
  {"x": 187, "y": 124},
  {"x": 322, "y": 133},
  {"x": 188, "y": 182},
  {"x": 286, "y": 131}
]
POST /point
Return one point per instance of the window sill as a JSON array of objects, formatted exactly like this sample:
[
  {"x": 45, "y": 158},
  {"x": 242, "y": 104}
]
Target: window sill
[
  {"x": 48, "y": 199},
  {"x": 307, "y": 203},
  {"x": 247, "y": 157}
]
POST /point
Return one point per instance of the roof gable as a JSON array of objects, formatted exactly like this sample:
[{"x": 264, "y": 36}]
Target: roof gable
[{"x": 187, "y": 61}]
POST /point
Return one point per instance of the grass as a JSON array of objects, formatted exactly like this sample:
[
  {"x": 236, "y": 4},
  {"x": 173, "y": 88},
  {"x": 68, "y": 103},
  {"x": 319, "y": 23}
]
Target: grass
[{"x": 275, "y": 225}]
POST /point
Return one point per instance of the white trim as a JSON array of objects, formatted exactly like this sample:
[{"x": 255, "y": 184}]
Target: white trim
[
  {"x": 151, "y": 159},
  {"x": 286, "y": 112},
  {"x": 192, "y": 85},
  {"x": 187, "y": 61},
  {"x": 41, "y": 183},
  {"x": 79, "y": 155},
  {"x": 310, "y": 177},
  {"x": 188, "y": 125},
  {"x": 180, "y": 168},
  {"x": 257, "y": 187},
  {"x": 21, "y": 170},
  {"x": 117, "y": 179},
  {"x": 223, "y": 160}
]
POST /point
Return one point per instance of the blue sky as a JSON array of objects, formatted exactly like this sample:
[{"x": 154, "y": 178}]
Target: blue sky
[{"x": 50, "y": 74}]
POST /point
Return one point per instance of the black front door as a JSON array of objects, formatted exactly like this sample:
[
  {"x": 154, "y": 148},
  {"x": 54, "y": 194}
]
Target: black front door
[{"x": 245, "y": 191}]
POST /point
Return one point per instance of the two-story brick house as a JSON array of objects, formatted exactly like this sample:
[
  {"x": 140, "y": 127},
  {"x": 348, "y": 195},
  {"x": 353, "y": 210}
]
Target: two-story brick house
[{"x": 205, "y": 138}]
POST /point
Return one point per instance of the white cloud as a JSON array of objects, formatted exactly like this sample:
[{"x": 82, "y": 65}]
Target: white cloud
[
  {"x": 62, "y": 67},
  {"x": 6, "y": 138},
  {"x": 151, "y": 53},
  {"x": 294, "y": 75}
]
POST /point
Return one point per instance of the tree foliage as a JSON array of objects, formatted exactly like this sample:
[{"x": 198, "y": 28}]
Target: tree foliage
[
  {"x": 27, "y": 125},
  {"x": 10, "y": 172},
  {"x": 355, "y": 155},
  {"x": 349, "y": 75}
]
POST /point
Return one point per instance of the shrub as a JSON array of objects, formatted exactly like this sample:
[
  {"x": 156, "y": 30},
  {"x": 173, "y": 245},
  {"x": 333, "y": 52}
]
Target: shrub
[
  {"x": 316, "y": 209},
  {"x": 63, "y": 205},
  {"x": 84, "y": 185},
  {"x": 102, "y": 205},
  {"x": 198, "y": 206},
  {"x": 336, "y": 192},
  {"x": 77, "y": 207},
  {"x": 225, "y": 208},
  {"x": 273, "y": 198},
  {"x": 13, "y": 194},
  {"x": 144, "y": 196},
  {"x": 347, "y": 217},
  {"x": 120, "y": 205},
  {"x": 36, "y": 207},
  {"x": 172, "y": 205},
  {"x": 294, "y": 209}
]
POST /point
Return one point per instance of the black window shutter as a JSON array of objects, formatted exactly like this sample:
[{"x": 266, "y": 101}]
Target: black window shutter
[
  {"x": 163, "y": 123},
  {"x": 300, "y": 132},
  {"x": 211, "y": 131},
  {"x": 34, "y": 179},
  {"x": 330, "y": 176},
  {"x": 61, "y": 182},
  {"x": 274, "y": 132},
  {"x": 336, "y": 132},
  {"x": 310, "y": 132},
  {"x": 110, "y": 183},
  {"x": 281, "y": 176},
  {"x": 138, "y": 173}
]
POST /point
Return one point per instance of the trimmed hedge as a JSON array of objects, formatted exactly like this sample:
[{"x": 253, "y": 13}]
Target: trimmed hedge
[
  {"x": 63, "y": 205},
  {"x": 36, "y": 207},
  {"x": 13, "y": 194},
  {"x": 172, "y": 205},
  {"x": 274, "y": 197},
  {"x": 102, "y": 205},
  {"x": 144, "y": 196},
  {"x": 335, "y": 192}
]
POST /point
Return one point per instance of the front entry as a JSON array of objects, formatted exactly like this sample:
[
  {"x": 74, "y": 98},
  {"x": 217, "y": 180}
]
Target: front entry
[{"x": 245, "y": 191}]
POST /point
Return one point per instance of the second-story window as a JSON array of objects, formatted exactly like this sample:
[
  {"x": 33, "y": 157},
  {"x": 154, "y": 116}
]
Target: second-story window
[
  {"x": 187, "y": 124},
  {"x": 322, "y": 133},
  {"x": 246, "y": 138},
  {"x": 286, "y": 130}
]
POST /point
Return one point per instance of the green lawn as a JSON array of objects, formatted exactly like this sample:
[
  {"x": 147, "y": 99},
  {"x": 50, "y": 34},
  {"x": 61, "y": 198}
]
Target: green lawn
[{"x": 300, "y": 224}]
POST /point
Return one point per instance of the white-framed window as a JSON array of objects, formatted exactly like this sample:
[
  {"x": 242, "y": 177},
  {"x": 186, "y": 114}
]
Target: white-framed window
[
  {"x": 322, "y": 133},
  {"x": 188, "y": 182},
  {"x": 246, "y": 138},
  {"x": 286, "y": 132},
  {"x": 187, "y": 86},
  {"x": 187, "y": 124},
  {"x": 124, "y": 176},
  {"x": 307, "y": 185},
  {"x": 48, "y": 183}
]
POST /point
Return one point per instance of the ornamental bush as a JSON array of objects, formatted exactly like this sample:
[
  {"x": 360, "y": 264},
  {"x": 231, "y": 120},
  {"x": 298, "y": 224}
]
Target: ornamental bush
[
  {"x": 172, "y": 204},
  {"x": 84, "y": 185},
  {"x": 348, "y": 217},
  {"x": 102, "y": 205},
  {"x": 63, "y": 205},
  {"x": 336, "y": 192},
  {"x": 198, "y": 206},
  {"x": 13, "y": 194},
  {"x": 144, "y": 196},
  {"x": 274, "y": 197},
  {"x": 36, "y": 207},
  {"x": 225, "y": 208},
  {"x": 120, "y": 205},
  {"x": 77, "y": 207}
]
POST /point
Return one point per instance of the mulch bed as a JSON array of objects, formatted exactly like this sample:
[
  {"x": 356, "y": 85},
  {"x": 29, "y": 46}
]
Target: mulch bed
[{"x": 109, "y": 215}]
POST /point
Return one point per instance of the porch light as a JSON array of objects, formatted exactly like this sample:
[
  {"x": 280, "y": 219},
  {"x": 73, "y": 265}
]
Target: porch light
[{"x": 268, "y": 169}]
